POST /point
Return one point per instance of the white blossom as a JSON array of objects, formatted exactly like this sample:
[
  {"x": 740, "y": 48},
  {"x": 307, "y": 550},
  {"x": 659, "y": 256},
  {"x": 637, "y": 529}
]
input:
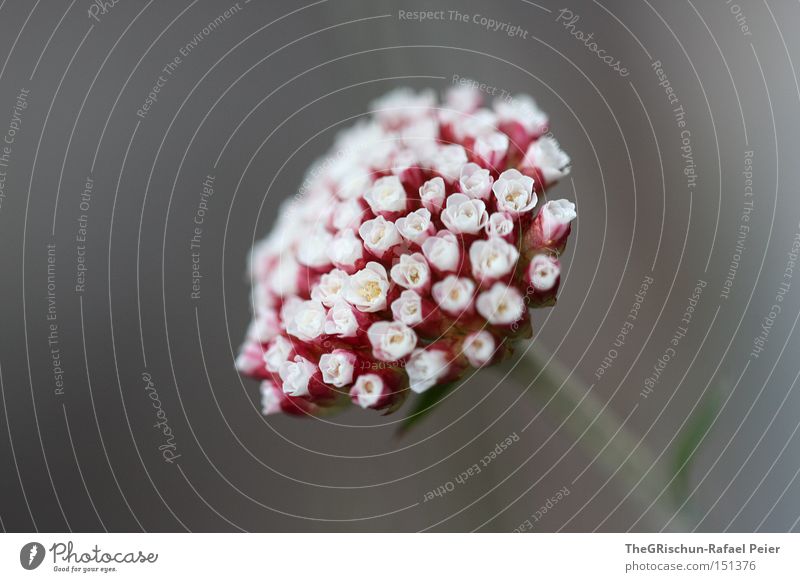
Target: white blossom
[
  {"x": 514, "y": 192},
  {"x": 391, "y": 340},
  {"x": 464, "y": 215},
  {"x": 442, "y": 251},
  {"x": 479, "y": 348},
  {"x": 337, "y": 368},
  {"x": 454, "y": 294},
  {"x": 308, "y": 321},
  {"x": 492, "y": 258},
  {"x": 411, "y": 272},
  {"x": 408, "y": 308},
  {"x": 379, "y": 235},
  {"x": 501, "y": 305},
  {"x": 552, "y": 161},
  {"x": 330, "y": 287},
  {"x": 296, "y": 376},
  {"x": 386, "y": 195},
  {"x": 367, "y": 390},
  {"x": 366, "y": 289},
  {"x": 415, "y": 226},
  {"x": 425, "y": 368},
  {"x": 475, "y": 181}
]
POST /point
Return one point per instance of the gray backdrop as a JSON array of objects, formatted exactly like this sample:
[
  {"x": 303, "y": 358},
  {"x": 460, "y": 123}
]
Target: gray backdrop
[{"x": 252, "y": 103}]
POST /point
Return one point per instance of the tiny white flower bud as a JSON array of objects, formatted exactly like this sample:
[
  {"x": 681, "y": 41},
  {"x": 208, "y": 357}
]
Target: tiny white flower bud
[
  {"x": 313, "y": 249},
  {"x": 523, "y": 110},
  {"x": 347, "y": 214},
  {"x": 408, "y": 308},
  {"x": 492, "y": 148},
  {"x": 442, "y": 251},
  {"x": 367, "y": 390},
  {"x": 270, "y": 398},
  {"x": 551, "y": 160},
  {"x": 277, "y": 353},
  {"x": 432, "y": 194},
  {"x": 543, "y": 272},
  {"x": 500, "y": 225},
  {"x": 448, "y": 161},
  {"x": 492, "y": 258},
  {"x": 308, "y": 321},
  {"x": 296, "y": 376},
  {"x": 345, "y": 250},
  {"x": 379, "y": 235},
  {"x": 475, "y": 182},
  {"x": 391, "y": 340},
  {"x": 284, "y": 279},
  {"x": 366, "y": 289},
  {"x": 386, "y": 195},
  {"x": 464, "y": 215},
  {"x": 425, "y": 368},
  {"x": 411, "y": 272},
  {"x": 341, "y": 321},
  {"x": 501, "y": 305},
  {"x": 555, "y": 217},
  {"x": 337, "y": 367},
  {"x": 514, "y": 192},
  {"x": 416, "y": 226},
  {"x": 454, "y": 294},
  {"x": 479, "y": 348},
  {"x": 330, "y": 287}
]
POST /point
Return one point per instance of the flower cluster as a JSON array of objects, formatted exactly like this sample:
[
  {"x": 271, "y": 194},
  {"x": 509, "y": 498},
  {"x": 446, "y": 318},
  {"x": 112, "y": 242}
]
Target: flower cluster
[{"x": 412, "y": 254}]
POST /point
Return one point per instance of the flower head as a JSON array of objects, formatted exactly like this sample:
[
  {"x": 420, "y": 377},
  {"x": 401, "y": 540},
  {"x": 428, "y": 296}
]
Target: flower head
[{"x": 411, "y": 255}]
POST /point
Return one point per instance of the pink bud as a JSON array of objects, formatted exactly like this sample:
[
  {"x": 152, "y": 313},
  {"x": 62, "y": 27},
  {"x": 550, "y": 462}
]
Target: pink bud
[
  {"x": 480, "y": 348},
  {"x": 435, "y": 364},
  {"x": 391, "y": 340},
  {"x": 501, "y": 305},
  {"x": 302, "y": 378},
  {"x": 550, "y": 161},
  {"x": 432, "y": 193},
  {"x": 346, "y": 252},
  {"x": 454, "y": 295},
  {"x": 338, "y": 367},
  {"x": 551, "y": 227},
  {"x": 542, "y": 278},
  {"x": 412, "y": 272},
  {"x": 443, "y": 251},
  {"x": 250, "y": 360},
  {"x": 376, "y": 390}
]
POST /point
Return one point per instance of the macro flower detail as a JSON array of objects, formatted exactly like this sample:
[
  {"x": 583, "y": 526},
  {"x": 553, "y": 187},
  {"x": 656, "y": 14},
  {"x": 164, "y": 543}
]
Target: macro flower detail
[{"x": 411, "y": 256}]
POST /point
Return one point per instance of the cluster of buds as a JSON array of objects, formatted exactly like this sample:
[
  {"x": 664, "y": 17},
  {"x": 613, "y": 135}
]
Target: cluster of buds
[{"x": 412, "y": 254}]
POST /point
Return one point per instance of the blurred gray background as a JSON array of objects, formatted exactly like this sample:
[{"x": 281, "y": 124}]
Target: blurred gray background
[{"x": 252, "y": 103}]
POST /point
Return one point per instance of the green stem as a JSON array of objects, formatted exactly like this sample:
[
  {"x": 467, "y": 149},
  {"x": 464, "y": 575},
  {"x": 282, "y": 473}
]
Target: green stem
[{"x": 603, "y": 436}]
